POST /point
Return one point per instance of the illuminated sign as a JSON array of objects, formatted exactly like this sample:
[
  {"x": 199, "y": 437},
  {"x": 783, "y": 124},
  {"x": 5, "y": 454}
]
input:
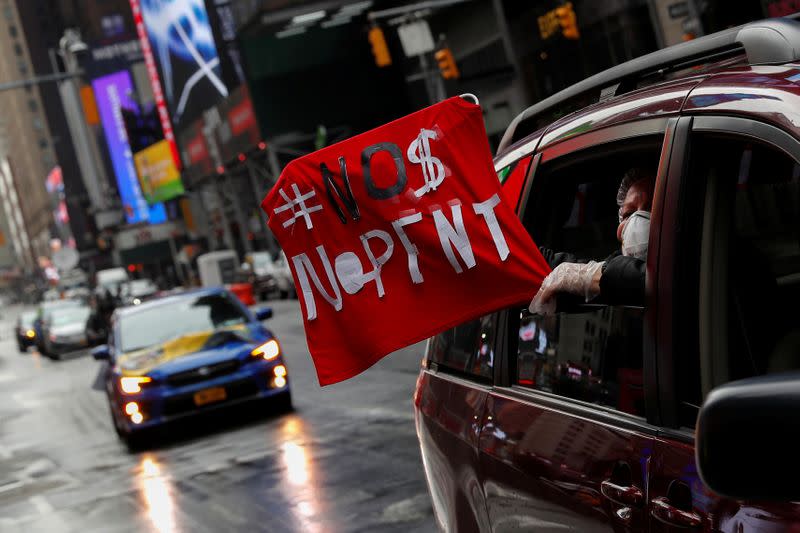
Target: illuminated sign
[
  {"x": 155, "y": 84},
  {"x": 113, "y": 93},
  {"x": 158, "y": 175},
  {"x": 179, "y": 35}
]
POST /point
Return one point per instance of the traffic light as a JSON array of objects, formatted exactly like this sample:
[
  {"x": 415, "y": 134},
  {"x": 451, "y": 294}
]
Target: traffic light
[
  {"x": 379, "y": 48},
  {"x": 447, "y": 64},
  {"x": 568, "y": 21}
]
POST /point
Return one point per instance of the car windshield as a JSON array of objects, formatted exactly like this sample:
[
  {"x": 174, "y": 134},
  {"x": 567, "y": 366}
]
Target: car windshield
[
  {"x": 148, "y": 327},
  {"x": 69, "y": 315}
]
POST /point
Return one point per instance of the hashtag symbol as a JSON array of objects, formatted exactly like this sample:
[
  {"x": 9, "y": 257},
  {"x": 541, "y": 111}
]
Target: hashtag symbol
[
  {"x": 298, "y": 206},
  {"x": 419, "y": 151}
]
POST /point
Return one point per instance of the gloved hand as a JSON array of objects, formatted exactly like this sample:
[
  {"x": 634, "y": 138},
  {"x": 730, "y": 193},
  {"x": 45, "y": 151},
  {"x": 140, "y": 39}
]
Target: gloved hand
[{"x": 573, "y": 278}]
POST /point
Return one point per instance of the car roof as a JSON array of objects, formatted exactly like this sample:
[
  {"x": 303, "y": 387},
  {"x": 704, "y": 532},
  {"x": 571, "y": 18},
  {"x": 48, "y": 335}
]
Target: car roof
[
  {"x": 768, "y": 42},
  {"x": 165, "y": 299}
]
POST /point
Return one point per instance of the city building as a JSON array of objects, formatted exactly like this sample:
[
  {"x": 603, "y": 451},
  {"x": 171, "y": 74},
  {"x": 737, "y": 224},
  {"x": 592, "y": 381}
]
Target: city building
[{"x": 29, "y": 156}]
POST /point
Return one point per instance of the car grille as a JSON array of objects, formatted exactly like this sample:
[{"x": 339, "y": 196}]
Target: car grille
[
  {"x": 202, "y": 373},
  {"x": 185, "y": 402}
]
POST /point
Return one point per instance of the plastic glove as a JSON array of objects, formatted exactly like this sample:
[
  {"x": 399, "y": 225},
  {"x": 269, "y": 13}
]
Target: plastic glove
[{"x": 572, "y": 278}]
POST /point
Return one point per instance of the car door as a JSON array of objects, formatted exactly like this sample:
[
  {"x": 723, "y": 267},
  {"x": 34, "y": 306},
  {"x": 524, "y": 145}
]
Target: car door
[
  {"x": 733, "y": 269},
  {"x": 458, "y": 372},
  {"x": 569, "y": 427}
]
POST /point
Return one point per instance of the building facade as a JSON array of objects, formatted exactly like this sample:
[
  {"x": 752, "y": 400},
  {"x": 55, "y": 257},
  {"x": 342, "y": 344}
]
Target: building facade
[{"x": 30, "y": 155}]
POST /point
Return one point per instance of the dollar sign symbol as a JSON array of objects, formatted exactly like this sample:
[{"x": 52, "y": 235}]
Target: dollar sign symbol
[{"x": 419, "y": 151}]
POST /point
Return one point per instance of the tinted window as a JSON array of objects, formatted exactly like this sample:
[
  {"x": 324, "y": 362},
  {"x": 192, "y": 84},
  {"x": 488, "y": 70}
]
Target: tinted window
[
  {"x": 757, "y": 210},
  {"x": 148, "y": 326},
  {"x": 467, "y": 348},
  {"x": 592, "y": 351},
  {"x": 594, "y": 357}
]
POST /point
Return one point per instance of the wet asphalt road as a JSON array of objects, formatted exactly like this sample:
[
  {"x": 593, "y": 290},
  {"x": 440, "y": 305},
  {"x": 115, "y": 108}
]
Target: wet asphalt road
[{"x": 346, "y": 459}]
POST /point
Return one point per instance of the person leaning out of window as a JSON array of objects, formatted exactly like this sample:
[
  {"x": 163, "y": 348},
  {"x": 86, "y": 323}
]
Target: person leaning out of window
[{"x": 620, "y": 278}]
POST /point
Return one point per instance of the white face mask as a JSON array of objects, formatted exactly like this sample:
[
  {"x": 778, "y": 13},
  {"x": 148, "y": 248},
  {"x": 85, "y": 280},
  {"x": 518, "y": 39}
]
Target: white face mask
[{"x": 635, "y": 235}]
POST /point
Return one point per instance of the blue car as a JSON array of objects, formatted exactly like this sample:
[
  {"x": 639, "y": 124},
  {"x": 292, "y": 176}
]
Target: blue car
[{"x": 187, "y": 353}]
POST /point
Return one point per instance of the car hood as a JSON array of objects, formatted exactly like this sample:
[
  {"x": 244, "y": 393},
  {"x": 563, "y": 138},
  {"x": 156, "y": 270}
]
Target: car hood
[{"x": 191, "y": 350}]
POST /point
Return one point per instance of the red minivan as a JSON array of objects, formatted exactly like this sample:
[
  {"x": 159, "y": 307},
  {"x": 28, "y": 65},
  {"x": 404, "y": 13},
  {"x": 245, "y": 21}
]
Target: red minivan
[{"x": 684, "y": 412}]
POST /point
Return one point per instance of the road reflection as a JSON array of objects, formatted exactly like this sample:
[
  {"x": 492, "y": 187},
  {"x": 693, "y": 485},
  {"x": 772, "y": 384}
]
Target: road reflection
[
  {"x": 301, "y": 476},
  {"x": 156, "y": 491}
]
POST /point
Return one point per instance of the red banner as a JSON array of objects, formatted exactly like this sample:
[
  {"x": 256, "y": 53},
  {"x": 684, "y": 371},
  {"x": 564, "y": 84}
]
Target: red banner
[{"x": 398, "y": 234}]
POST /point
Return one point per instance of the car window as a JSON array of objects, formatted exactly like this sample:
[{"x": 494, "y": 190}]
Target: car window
[
  {"x": 754, "y": 211},
  {"x": 147, "y": 327},
  {"x": 592, "y": 351},
  {"x": 466, "y": 349}
]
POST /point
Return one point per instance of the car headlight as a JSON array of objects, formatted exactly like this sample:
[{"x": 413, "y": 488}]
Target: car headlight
[
  {"x": 269, "y": 350},
  {"x": 132, "y": 385}
]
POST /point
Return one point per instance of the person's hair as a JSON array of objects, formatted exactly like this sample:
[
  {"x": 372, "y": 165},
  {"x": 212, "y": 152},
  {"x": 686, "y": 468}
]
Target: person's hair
[{"x": 632, "y": 176}]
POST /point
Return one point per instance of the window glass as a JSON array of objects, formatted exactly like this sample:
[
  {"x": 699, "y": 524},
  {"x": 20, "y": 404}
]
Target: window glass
[
  {"x": 763, "y": 223},
  {"x": 594, "y": 357},
  {"x": 513, "y": 179},
  {"x": 468, "y": 348},
  {"x": 147, "y": 327},
  {"x": 588, "y": 350}
]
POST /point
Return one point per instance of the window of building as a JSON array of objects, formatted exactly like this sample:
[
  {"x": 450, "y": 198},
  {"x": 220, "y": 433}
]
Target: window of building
[
  {"x": 12, "y": 30},
  {"x": 32, "y": 105},
  {"x": 43, "y": 144},
  {"x": 591, "y": 352},
  {"x": 17, "y": 49},
  {"x": 466, "y": 349}
]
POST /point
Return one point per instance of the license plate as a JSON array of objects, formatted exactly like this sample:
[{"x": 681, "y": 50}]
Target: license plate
[{"x": 217, "y": 394}]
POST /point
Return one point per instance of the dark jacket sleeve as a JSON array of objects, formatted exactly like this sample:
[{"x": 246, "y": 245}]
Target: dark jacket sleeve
[
  {"x": 554, "y": 258},
  {"x": 623, "y": 281}
]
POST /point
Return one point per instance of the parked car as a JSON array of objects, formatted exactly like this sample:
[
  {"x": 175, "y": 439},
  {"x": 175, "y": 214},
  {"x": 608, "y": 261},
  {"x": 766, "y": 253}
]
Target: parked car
[
  {"x": 587, "y": 420},
  {"x": 24, "y": 332},
  {"x": 64, "y": 330},
  {"x": 212, "y": 352}
]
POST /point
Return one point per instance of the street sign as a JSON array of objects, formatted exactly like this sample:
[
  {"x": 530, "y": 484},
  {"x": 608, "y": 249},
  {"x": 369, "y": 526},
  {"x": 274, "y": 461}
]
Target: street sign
[{"x": 416, "y": 38}]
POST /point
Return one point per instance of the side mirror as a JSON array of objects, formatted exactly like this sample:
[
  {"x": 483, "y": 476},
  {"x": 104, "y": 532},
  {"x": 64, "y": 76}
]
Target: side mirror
[
  {"x": 747, "y": 435},
  {"x": 101, "y": 353},
  {"x": 265, "y": 313}
]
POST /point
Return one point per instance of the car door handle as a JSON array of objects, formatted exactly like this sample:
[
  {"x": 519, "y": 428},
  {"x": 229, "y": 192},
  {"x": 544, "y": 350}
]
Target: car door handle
[
  {"x": 665, "y": 512},
  {"x": 621, "y": 494}
]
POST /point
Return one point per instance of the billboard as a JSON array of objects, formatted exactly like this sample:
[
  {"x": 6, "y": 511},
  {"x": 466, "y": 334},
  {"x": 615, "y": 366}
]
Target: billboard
[
  {"x": 181, "y": 40},
  {"x": 158, "y": 175},
  {"x": 114, "y": 94},
  {"x": 197, "y": 163},
  {"x": 239, "y": 131}
]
